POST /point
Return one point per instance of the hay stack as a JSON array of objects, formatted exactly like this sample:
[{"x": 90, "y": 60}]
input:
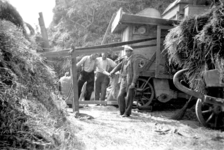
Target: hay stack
[
  {"x": 197, "y": 44},
  {"x": 32, "y": 115},
  {"x": 9, "y": 13}
]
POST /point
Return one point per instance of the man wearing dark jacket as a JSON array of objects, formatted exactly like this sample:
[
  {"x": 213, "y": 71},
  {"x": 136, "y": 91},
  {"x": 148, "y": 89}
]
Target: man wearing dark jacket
[{"x": 129, "y": 72}]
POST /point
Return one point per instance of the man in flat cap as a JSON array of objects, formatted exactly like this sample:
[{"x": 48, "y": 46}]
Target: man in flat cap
[{"x": 129, "y": 73}]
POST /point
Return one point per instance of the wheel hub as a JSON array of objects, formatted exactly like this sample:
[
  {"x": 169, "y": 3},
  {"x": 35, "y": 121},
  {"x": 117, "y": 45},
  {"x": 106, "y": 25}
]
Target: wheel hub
[{"x": 217, "y": 109}]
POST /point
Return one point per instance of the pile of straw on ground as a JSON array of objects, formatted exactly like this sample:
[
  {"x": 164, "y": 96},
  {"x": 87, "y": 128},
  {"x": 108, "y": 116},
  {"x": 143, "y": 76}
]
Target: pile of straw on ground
[
  {"x": 197, "y": 44},
  {"x": 32, "y": 114}
]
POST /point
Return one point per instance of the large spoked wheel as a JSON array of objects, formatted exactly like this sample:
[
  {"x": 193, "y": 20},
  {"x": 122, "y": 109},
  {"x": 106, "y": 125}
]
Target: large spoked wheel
[
  {"x": 144, "y": 92},
  {"x": 210, "y": 115}
]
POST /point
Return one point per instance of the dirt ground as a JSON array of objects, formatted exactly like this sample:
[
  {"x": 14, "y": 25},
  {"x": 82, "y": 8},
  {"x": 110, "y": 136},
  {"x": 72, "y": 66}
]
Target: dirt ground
[{"x": 102, "y": 128}]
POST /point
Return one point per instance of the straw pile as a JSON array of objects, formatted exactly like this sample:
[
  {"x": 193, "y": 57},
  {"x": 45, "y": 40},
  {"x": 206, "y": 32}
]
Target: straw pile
[
  {"x": 9, "y": 13},
  {"x": 197, "y": 44},
  {"x": 32, "y": 114}
]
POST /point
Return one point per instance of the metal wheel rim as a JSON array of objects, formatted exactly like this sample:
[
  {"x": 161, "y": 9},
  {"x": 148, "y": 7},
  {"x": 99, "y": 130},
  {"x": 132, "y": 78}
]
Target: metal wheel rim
[
  {"x": 206, "y": 116},
  {"x": 148, "y": 94}
]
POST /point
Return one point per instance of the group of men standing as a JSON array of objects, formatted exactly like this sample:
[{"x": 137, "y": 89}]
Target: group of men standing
[
  {"x": 100, "y": 66},
  {"x": 97, "y": 71}
]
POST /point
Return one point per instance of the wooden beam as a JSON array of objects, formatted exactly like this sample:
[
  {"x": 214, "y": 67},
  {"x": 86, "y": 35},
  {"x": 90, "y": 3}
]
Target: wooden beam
[
  {"x": 102, "y": 48},
  {"x": 135, "y": 19},
  {"x": 67, "y": 53},
  {"x": 158, "y": 52},
  {"x": 117, "y": 44},
  {"x": 116, "y": 21},
  {"x": 43, "y": 30},
  {"x": 117, "y": 49},
  {"x": 93, "y": 49},
  {"x": 166, "y": 27},
  {"x": 149, "y": 64},
  {"x": 113, "y": 102},
  {"x": 75, "y": 102},
  {"x": 99, "y": 102},
  {"x": 93, "y": 102},
  {"x": 52, "y": 54}
]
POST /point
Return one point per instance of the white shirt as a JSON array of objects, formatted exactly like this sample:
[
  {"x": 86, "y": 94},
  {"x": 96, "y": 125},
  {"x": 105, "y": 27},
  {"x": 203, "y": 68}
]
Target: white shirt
[
  {"x": 104, "y": 65},
  {"x": 87, "y": 63},
  {"x": 66, "y": 83}
]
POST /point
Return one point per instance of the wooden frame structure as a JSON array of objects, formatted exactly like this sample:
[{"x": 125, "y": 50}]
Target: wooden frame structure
[
  {"x": 74, "y": 52},
  {"x": 120, "y": 21}
]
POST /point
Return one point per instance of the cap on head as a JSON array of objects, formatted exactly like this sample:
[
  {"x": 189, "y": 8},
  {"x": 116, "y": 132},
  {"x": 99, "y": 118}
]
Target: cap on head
[{"x": 127, "y": 47}]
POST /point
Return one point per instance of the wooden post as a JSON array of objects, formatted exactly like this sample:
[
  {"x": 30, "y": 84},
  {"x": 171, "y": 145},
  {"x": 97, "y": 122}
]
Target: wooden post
[
  {"x": 43, "y": 30},
  {"x": 75, "y": 102},
  {"x": 158, "y": 52}
]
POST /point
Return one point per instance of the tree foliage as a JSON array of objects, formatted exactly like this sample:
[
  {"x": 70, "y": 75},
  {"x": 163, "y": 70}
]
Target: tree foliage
[{"x": 84, "y": 22}]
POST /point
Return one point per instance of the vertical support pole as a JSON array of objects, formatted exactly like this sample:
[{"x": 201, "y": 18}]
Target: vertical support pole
[
  {"x": 158, "y": 52},
  {"x": 75, "y": 102},
  {"x": 43, "y": 30}
]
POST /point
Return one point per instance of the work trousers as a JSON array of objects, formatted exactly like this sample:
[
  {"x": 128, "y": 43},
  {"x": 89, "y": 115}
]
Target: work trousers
[
  {"x": 125, "y": 98},
  {"x": 100, "y": 86},
  {"x": 89, "y": 78}
]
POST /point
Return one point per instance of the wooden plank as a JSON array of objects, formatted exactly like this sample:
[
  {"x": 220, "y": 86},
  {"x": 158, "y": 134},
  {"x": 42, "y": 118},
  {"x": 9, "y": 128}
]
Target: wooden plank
[
  {"x": 93, "y": 49},
  {"x": 117, "y": 49},
  {"x": 75, "y": 102},
  {"x": 97, "y": 49},
  {"x": 99, "y": 102},
  {"x": 112, "y": 102},
  {"x": 162, "y": 65},
  {"x": 93, "y": 102},
  {"x": 116, "y": 44},
  {"x": 122, "y": 20},
  {"x": 149, "y": 64},
  {"x": 116, "y": 21},
  {"x": 52, "y": 54},
  {"x": 148, "y": 73},
  {"x": 43, "y": 30},
  {"x": 135, "y": 19},
  {"x": 166, "y": 27},
  {"x": 158, "y": 52},
  {"x": 67, "y": 53},
  {"x": 165, "y": 76}
]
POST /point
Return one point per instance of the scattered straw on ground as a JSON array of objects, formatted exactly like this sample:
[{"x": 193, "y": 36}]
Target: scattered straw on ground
[{"x": 107, "y": 130}]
